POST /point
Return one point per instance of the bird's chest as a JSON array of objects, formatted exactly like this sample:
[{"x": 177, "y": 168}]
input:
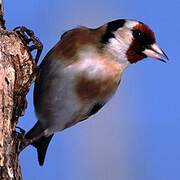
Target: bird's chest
[{"x": 97, "y": 79}]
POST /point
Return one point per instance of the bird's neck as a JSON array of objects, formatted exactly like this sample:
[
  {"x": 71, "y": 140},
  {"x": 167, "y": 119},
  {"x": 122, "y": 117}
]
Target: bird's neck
[{"x": 117, "y": 53}]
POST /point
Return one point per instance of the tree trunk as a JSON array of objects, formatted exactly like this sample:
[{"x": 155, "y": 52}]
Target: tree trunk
[{"x": 17, "y": 71}]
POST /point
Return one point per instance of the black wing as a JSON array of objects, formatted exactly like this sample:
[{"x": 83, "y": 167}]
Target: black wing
[{"x": 96, "y": 108}]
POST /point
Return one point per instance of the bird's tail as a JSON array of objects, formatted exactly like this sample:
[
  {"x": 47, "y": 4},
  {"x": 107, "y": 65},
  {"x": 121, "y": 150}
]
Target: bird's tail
[{"x": 41, "y": 144}]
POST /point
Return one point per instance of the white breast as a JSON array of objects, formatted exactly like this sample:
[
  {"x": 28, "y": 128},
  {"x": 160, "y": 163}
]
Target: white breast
[{"x": 59, "y": 105}]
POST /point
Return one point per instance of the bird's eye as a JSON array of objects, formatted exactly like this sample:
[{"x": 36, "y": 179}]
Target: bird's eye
[
  {"x": 142, "y": 38},
  {"x": 139, "y": 35}
]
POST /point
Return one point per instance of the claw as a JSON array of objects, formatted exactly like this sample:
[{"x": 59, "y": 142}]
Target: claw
[
  {"x": 23, "y": 142},
  {"x": 29, "y": 37},
  {"x": 21, "y": 131},
  {"x": 20, "y": 135}
]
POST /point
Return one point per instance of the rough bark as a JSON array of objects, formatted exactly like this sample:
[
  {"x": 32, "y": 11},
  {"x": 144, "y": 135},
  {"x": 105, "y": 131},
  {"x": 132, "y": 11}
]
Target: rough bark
[{"x": 17, "y": 71}]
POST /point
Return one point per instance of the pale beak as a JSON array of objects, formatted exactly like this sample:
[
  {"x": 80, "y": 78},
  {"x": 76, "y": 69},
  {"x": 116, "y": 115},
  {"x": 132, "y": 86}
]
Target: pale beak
[{"x": 154, "y": 51}]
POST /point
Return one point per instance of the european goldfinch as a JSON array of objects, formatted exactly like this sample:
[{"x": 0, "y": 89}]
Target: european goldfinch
[{"x": 81, "y": 73}]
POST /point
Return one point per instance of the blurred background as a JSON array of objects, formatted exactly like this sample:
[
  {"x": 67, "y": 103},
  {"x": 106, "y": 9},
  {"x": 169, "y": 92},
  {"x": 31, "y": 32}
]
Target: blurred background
[{"x": 136, "y": 135}]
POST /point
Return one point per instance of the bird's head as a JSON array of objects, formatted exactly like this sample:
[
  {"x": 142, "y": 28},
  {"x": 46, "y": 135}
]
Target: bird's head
[{"x": 131, "y": 41}]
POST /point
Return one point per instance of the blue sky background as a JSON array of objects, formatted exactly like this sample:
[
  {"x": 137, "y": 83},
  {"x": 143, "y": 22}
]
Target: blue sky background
[{"x": 136, "y": 135}]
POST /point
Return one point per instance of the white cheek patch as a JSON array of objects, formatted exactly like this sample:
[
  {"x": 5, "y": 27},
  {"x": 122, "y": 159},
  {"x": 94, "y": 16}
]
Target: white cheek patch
[
  {"x": 125, "y": 37},
  {"x": 118, "y": 47}
]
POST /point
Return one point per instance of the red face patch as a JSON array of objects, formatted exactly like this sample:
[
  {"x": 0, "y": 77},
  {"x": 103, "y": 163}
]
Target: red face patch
[
  {"x": 146, "y": 30},
  {"x": 143, "y": 37}
]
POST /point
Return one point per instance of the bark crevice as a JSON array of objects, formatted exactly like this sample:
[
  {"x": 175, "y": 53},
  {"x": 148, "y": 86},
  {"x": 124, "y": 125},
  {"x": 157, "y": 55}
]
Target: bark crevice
[{"x": 17, "y": 71}]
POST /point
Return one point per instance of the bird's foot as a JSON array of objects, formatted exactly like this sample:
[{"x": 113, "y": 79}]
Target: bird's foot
[
  {"x": 23, "y": 142},
  {"x": 30, "y": 40},
  {"x": 20, "y": 135}
]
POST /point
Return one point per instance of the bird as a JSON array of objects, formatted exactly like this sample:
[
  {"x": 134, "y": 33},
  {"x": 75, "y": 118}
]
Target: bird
[{"x": 81, "y": 73}]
